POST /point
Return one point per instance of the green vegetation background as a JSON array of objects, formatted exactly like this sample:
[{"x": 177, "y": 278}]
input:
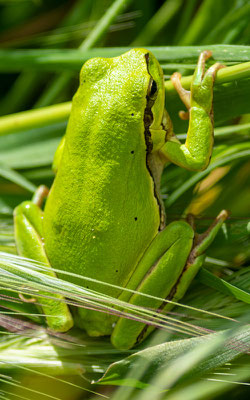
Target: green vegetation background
[{"x": 43, "y": 45}]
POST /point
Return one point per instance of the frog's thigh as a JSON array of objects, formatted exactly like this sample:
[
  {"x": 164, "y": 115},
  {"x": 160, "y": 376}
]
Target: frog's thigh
[
  {"x": 156, "y": 274},
  {"x": 28, "y": 235}
]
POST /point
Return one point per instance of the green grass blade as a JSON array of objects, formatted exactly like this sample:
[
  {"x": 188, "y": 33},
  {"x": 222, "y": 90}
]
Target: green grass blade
[
  {"x": 185, "y": 20},
  {"x": 34, "y": 118},
  {"x": 180, "y": 358},
  {"x": 158, "y": 21},
  {"x": 233, "y": 16},
  {"x": 71, "y": 59},
  {"x": 99, "y": 30},
  {"x": 209, "y": 12},
  {"x": 219, "y": 284},
  {"x": 217, "y": 162},
  {"x": 13, "y": 176}
]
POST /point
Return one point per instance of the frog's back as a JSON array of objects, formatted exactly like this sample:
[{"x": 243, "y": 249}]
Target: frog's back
[{"x": 102, "y": 212}]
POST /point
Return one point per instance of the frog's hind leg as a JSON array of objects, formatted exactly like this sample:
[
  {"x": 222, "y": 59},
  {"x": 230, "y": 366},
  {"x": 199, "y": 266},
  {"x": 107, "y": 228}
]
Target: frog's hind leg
[
  {"x": 194, "y": 263},
  {"x": 165, "y": 271},
  {"x": 156, "y": 273},
  {"x": 40, "y": 194},
  {"x": 28, "y": 228}
]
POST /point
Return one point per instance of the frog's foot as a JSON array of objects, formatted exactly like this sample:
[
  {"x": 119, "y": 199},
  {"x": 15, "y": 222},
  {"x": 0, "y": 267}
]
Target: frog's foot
[
  {"x": 203, "y": 241},
  {"x": 200, "y": 77},
  {"x": 26, "y": 299},
  {"x": 190, "y": 218},
  {"x": 40, "y": 194}
]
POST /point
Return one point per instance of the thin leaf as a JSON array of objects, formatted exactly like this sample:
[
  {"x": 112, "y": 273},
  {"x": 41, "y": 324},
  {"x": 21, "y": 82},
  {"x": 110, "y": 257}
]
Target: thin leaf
[
  {"x": 223, "y": 286},
  {"x": 99, "y": 30},
  {"x": 158, "y": 21},
  {"x": 180, "y": 358},
  {"x": 72, "y": 59},
  {"x": 198, "y": 176},
  {"x": 7, "y": 173}
]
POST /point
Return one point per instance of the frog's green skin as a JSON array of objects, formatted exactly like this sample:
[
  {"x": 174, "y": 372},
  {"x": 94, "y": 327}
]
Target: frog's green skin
[{"x": 103, "y": 217}]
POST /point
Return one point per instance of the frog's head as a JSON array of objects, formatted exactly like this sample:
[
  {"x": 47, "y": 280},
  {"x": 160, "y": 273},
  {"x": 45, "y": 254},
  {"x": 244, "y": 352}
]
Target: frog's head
[
  {"x": 155, "y": 90},
  {"x": 128, "y": 89},
  {"x": 144, "y": 69}
]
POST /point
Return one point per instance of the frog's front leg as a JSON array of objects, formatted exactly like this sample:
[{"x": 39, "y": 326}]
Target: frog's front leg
[
  {"x": 165, "y": 271},
  {"x": 28, "y": 218},
  {"x": 195, "y": 154}
]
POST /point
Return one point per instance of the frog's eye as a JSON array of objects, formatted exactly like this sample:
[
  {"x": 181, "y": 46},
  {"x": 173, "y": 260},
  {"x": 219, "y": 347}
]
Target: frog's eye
[{"x": 152, "y": 88}]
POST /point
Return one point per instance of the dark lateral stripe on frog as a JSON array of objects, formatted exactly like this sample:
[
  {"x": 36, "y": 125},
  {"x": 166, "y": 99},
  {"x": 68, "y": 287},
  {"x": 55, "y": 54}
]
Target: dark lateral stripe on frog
[
  {"x": 169, "y": 297},
  {"x": 148, "y": 119}
]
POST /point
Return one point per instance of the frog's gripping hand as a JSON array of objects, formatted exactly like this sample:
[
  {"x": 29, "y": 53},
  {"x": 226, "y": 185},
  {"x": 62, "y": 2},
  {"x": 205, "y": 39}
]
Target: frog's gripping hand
[
  {"x": 29, "y": 233},
  {"x": 195, "y": 154}
]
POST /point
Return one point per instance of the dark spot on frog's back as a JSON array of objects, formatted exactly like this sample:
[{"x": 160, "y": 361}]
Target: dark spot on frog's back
[{"x": 57, "y": 227}]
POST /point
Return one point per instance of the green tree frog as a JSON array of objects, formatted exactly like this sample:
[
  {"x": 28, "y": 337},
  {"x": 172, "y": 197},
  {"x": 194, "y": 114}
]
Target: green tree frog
[{"x": 104, "y": 217}]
